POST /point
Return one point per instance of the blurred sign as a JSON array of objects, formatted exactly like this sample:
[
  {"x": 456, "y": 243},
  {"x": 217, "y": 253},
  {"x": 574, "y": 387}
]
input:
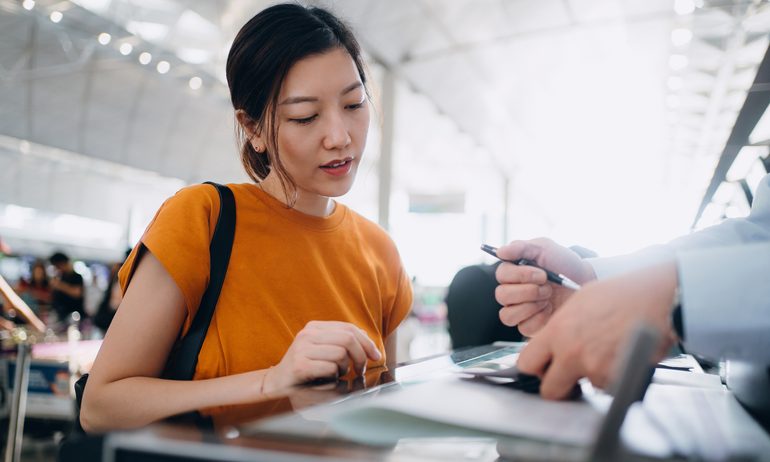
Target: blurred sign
[
  {"x": 49, "y": 389},
  {"x": 437, "y": 203}
]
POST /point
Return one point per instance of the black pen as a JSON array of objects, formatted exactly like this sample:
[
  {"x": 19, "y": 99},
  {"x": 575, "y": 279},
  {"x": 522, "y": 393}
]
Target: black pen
[{"x": 556, "y": 278}]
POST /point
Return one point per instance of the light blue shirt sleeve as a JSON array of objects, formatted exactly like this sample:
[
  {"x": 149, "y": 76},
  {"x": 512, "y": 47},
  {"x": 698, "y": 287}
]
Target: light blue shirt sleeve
[
  {"x": 724, "y": 277},
  {"x": 725, "y": 295}
]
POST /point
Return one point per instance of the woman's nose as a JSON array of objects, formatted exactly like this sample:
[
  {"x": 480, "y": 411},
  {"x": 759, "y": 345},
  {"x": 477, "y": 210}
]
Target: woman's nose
[{"x": 337, "y": 135}]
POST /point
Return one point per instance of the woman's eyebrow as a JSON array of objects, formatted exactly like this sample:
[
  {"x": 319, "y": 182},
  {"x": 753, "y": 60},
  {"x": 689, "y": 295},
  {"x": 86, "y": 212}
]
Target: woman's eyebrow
[
  {"x": 313, "y": 99},
  {"x": 351, "y": 87},
  {"x": 298, "y": 99}
]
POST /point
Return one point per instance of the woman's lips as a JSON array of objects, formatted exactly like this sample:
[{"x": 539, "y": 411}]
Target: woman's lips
[{"x": 338, "y": 167}]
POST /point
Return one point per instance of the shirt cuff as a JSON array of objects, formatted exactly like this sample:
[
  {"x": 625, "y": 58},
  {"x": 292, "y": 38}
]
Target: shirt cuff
[{"x": 614, "y": 266}]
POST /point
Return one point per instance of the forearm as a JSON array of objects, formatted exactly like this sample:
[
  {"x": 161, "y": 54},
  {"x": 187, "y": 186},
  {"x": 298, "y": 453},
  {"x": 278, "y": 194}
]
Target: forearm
[
  {"x": 606, "y": 267},
  {"x": 136, "y": 401}
]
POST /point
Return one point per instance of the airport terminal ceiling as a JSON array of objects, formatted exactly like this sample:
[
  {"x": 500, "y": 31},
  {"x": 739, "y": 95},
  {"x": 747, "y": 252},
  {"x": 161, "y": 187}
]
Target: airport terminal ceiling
[{"x": 569, "y": 111}]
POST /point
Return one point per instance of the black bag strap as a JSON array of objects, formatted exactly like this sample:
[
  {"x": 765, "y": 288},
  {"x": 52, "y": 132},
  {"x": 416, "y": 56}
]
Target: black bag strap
[{"x": 183, "y": 359}]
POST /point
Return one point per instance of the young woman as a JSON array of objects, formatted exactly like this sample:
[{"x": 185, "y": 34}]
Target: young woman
[
  {"x": 37, "y": 290},
  {"x": 313, "y": 290}
]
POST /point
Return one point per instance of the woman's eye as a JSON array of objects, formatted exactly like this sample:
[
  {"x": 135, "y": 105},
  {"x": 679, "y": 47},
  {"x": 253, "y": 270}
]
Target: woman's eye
[
  {"x": 355, "y": 106},
  {"x": 305, "y": 120}
]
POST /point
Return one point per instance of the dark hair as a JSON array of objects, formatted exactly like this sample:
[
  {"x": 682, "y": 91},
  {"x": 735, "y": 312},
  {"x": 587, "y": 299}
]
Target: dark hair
[
  {"x": 38, "y": 264},
  {"x": 264, "y": 50},
  {"x": 59, "y": 257}
]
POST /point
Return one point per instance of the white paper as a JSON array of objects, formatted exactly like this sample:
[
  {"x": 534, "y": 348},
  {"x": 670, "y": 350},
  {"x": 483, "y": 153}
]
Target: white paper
[
  {"x": 474, "y": 406},
  {"x": 687, "y": 379}
]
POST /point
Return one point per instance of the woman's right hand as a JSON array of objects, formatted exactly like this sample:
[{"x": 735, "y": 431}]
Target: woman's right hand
[
  {"x": 322, "y": 349},
  {"x": 527, "y": 297}
]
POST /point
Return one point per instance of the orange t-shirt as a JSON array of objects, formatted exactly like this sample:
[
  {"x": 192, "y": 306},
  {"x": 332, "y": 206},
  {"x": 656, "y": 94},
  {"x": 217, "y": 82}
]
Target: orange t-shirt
[{"x": 286, "y": 269}]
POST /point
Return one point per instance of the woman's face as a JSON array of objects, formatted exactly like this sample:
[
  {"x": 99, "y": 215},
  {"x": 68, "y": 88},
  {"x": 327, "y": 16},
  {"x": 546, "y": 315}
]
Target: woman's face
[
  {"x": 322, "y": 121},
  {"x": 38, "y": 273}
]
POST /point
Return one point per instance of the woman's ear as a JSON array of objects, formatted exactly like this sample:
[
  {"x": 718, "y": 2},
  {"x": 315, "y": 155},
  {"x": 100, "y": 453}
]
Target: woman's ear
[{"x": 249, "y": 125}]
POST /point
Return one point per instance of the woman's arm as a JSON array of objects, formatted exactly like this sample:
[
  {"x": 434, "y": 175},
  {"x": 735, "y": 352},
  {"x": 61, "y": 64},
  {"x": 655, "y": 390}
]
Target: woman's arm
[{"x": 124, "y": 390}]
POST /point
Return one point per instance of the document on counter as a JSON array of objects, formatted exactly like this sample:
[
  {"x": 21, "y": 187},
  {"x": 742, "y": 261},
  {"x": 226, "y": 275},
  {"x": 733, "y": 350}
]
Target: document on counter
[
  {"x": 702, "y": 424},
  {"x": 469, "y": 407},
  {"x": 683, "y": 413}
]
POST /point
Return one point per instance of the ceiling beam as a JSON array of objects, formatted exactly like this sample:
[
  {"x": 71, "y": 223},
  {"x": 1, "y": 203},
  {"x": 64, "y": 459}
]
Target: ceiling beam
[{"x": 754, "y": 107}]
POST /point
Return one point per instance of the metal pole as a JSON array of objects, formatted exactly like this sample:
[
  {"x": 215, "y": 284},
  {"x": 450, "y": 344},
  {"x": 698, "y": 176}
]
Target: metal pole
[
  {"x": 633, "y": 378},
  {"x": 18, "y": 404},
  {"x": 386, "y": 147},
  {"x": 506, "y": 207}
]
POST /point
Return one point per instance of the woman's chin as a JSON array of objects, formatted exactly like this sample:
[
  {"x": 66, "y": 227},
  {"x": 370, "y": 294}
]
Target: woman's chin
[
  {"x": 336, "y": 188},
  {"x": 336, "y": 191}
]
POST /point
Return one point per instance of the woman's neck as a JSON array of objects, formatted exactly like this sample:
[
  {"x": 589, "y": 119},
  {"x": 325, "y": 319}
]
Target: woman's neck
[{"x": 306, "y": 202}]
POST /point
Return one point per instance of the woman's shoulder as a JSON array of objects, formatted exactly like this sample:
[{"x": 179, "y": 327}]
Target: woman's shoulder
[
  {"x": 202, "y": 194},
  {"x": 198, "y": 198},
  {"x": 365, "y": 225},
  {"x": 372, "y": 232}
]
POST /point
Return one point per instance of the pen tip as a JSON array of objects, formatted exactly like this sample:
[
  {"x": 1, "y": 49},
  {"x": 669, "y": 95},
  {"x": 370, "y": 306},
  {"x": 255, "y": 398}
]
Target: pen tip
[
  {"x": 490, "y": 250},
  {"x": 566, "y": 282}
]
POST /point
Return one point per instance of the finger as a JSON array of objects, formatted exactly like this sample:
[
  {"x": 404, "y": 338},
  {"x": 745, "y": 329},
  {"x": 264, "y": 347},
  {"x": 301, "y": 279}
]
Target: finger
[
  {"x": 372, "y": 352},
  {"x": 366, "y": 343},
  {"x": 508, "y": 273},
  {"x": 515, "y": 314},
  {"x": 519, "y": 249},
  {"x": 316, "y": 369},
  {"x": 535, "y": 356},
  {"x": 536, "y": 322},
  {"x": 331, "y": 353},
  {"x": 513, "y": 294},
  {"x": 344, "y": 339},
  {"x": 560, "y": 379}
]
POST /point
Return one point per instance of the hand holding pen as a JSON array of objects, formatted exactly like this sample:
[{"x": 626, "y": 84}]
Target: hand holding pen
[
  {"x": 556, "y": 278},
  {"x": 527, "y": 298}
]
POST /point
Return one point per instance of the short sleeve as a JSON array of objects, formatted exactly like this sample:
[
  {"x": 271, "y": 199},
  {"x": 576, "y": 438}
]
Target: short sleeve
[
  {"x": 402, "y": 303},
  {"x": 74, "y": 279},
  {"x": 179, "y": 237}
]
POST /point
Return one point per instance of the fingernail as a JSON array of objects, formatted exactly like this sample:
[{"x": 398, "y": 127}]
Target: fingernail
[
  {"x": 378, "y": 355},
  {"x": 544, "y": 291}
]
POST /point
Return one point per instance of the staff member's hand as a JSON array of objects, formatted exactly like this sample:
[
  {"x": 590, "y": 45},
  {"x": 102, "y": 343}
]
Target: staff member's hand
[
  {"x": 323, "y": 349},
  {"x": 585, "y": 336},
  {"x": 528, "y": 299}
]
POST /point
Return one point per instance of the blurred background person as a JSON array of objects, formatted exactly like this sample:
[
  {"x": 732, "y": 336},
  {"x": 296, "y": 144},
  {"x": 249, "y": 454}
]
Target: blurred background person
[
  {"x": 36, "y": 290},
  {"x": 68, "y": 294}
]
